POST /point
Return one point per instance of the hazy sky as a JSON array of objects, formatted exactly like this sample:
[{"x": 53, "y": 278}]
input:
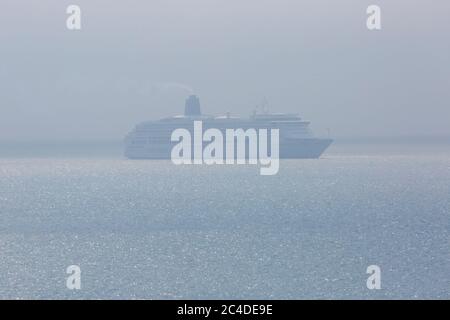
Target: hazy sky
[{"x": 136, "y": 60}]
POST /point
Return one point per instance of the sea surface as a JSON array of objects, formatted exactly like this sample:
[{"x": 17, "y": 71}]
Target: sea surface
[{"x": 150, "y": 229}]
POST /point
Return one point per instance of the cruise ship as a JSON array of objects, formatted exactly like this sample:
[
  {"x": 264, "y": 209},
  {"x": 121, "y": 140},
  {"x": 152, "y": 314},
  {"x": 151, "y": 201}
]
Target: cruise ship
[{"x": 152, "y": 139}]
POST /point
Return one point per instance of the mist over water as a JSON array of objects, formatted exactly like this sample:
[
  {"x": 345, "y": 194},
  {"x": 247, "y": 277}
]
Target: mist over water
[
  {"x": 312, "y": 57},
  {"x": 115, "y": 149}
]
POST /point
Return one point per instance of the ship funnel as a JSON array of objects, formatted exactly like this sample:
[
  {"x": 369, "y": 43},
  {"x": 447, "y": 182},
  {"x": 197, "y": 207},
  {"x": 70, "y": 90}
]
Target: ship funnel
[{"x": 192, "y": 106}]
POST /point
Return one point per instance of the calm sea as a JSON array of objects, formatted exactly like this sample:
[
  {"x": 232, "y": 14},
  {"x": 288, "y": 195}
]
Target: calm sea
[{"x": 150, "y": 229}]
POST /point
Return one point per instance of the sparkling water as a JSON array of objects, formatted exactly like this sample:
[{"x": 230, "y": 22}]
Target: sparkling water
[{"x": 150, "y": 229}]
